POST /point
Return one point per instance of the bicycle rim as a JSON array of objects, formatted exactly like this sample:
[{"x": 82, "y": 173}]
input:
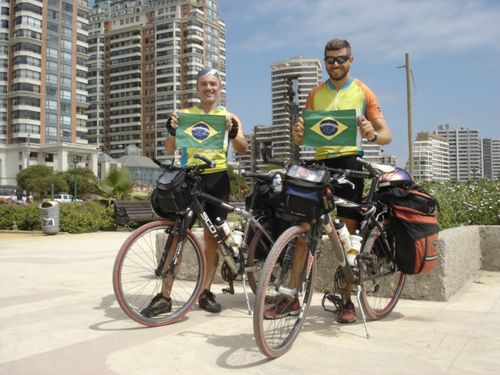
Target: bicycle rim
[
  {"x": 276, "y": 336},
  {"x": 135, "y": 282},
  {"x": 257, "y": 253},
  {"x": 380, "y": 294}
]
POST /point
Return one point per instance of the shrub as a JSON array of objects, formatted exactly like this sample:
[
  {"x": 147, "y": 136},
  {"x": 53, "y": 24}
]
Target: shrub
[
  {"x": 85, "y": 217},
  {"x": 73, "y": 217},
  {"x": 467, "y": 203}
]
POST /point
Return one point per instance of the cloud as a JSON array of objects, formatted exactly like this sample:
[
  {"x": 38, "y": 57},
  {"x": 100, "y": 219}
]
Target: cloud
[{"x": 386, "y": 27}]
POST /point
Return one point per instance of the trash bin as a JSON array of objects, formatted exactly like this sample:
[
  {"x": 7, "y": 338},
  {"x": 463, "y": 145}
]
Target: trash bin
[{"x": 49, "y": 212}]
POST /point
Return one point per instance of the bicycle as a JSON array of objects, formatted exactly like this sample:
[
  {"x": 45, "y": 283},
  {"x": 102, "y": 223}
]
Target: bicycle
[
  {"x": 169, "y": 250},
  {"x": 377, "y": 281}
]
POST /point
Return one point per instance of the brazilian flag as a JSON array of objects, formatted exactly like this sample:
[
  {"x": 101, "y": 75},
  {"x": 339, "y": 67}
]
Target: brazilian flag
[
  {"x": 201, "y": 131},
  {"x": 330, "y": 128}
]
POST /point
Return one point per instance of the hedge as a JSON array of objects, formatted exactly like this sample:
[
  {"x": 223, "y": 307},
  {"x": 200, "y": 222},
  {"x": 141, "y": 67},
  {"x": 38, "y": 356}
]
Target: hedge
[{"x": 468, "y": 203}]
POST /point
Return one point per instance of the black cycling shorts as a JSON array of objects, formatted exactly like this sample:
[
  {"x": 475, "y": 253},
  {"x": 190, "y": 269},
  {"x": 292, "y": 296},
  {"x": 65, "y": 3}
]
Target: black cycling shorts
[
  {"x": 346, "y": 191},
  {"x": 216, "y": 184}
]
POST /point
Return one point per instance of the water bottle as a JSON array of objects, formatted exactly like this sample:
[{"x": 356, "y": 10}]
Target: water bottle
[
  {"x": 353, "y": 252},
  {"x": 237, "y": 240},
  {"x": 277, "y": 183},
  {"x": 222, "y": 224},
  {"x": 232, "y": 239},
  {"x": 344, "y": 235}
]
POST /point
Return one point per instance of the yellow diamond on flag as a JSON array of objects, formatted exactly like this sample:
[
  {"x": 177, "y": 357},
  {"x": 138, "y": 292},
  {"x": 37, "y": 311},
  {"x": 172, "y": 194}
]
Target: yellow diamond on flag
[
  {"x": 328, "y": 128},
  {"x": 200, "y": 131}
]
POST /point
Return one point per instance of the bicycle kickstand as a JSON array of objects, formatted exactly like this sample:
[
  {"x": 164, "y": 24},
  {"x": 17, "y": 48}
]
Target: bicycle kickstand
[
  {"x": 358, "y": 294},
  {"x": 244, "y": 277}
]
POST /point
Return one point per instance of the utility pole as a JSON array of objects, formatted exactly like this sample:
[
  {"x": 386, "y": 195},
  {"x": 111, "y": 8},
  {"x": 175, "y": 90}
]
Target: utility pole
[{"x": 408, "y": 100}]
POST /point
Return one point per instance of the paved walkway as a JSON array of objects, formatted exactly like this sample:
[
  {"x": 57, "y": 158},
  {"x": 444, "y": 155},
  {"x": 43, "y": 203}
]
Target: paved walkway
[{"x": 58, "y": 315}]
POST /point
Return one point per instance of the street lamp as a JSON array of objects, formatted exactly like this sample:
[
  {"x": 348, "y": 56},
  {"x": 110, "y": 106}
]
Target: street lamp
[{"x": 75, "y": 161}]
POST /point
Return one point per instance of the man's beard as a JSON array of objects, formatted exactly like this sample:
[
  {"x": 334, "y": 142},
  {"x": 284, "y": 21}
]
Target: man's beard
[{"x": 345, "y": 73}]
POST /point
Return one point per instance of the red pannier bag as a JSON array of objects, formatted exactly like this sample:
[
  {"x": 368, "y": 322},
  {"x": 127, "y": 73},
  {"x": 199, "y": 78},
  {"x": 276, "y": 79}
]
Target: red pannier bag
[{"x": 415, "y": 228}]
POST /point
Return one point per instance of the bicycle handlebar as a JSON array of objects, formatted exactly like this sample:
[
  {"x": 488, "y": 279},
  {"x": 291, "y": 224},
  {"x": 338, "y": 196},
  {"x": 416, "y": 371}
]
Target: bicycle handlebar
[{"x": 207, "y": 164}]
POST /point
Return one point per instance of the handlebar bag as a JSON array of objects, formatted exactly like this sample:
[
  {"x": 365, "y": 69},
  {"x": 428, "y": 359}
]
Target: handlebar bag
[
  {"x": 304, "y": 189},
  {"x": 172, "y": 193},
  {"x": 414, "y": 221}
]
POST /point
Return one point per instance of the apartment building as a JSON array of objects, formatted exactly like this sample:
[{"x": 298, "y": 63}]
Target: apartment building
[
  {"x": 491, "y": 158},
  {"x": 43, "y": 86},
  {"x": 371, "y": 151},
  {"x": 291, "y": 82},
  {"x": 431, "y": 157},
  {"x": 465, "y": 152},
  {"x": 144, "y": 57}
]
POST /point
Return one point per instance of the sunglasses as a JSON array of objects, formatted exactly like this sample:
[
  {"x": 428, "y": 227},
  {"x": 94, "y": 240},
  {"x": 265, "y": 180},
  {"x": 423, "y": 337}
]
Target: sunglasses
[{"x": 340, "y": 59}]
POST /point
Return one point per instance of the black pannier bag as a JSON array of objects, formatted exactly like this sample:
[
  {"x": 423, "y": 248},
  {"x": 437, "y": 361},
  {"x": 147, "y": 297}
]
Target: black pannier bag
[
  {"x": 304, "y": 190},
  {"x": 414, "y": 223},
  {"x": 172, "y": 193},
  {"x": 268, "y": 203}
]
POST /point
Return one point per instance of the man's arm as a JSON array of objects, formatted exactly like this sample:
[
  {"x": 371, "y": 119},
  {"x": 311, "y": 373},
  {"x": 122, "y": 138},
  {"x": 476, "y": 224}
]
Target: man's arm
[
  {"x": 170, "y": 140},
  {"x": 376, "y": 131},
  {"x": 239, "y": 142}
]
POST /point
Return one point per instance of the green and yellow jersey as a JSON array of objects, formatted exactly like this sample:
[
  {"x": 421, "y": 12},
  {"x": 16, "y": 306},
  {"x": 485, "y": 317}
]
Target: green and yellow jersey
[
  {"x": 219, "y": 156},
  {"x": 354, "y": 95}
]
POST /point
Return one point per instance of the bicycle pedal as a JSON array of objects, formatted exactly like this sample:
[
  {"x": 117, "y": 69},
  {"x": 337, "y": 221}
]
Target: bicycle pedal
[
  {"x": 227, "y": 291},
  {"x": 334, "y": 299}
]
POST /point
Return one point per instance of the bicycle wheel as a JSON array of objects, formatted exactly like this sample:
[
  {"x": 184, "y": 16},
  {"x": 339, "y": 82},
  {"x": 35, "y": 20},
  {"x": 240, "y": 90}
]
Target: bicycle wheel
[
  {"x": 135, "y": 282},
  {"x": 381, "y": 283},
  {"x": 256, "y": 257},
  {"x": 276, "y": 335}
]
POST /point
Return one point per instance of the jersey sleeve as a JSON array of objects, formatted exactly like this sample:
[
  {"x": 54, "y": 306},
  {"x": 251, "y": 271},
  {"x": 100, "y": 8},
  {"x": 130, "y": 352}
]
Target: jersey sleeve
[{"x": 373, "y": 110}]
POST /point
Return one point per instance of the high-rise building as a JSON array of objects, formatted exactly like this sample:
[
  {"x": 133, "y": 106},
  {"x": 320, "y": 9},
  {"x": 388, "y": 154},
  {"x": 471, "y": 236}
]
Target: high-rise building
[
  {"x": 431, "y": 157},
  {"x": 371, "y": 151},
  {"x": 291, "y": 82},
  {"x": 491, "y": 158},
  {"x": 466, "y": 161},
  {"x": 43, "y": 86},
  {"x": 388, "y": 159},
  {"x": 144, "y": 57}
]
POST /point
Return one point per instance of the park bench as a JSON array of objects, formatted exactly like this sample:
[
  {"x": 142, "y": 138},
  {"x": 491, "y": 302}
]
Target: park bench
[{"x": 134, "y": 211}]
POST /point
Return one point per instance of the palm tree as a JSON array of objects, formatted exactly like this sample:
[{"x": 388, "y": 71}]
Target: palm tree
[{"x": 117, "y": 185}]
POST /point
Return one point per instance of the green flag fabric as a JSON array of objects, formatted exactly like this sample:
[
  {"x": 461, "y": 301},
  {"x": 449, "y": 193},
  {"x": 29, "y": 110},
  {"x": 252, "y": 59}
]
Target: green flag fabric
[
  {"x": 330, "y": 128},
  {"x": 200, "y": 131}
]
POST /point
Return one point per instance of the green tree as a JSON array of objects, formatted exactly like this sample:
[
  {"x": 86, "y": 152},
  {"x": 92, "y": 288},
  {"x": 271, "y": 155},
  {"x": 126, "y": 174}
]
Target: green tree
[
  {"x": 86, "y": 181},
  {"x": 38, "y": 179},
  {"x": 237, "y": 182}
]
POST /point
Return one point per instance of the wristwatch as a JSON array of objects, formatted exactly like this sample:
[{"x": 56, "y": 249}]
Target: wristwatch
[{"x": 375, "y": 136}]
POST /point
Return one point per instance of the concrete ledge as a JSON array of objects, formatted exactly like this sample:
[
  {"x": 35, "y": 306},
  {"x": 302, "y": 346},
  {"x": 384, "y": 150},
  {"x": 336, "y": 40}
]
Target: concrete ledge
[{"x": 463, "y": 252}]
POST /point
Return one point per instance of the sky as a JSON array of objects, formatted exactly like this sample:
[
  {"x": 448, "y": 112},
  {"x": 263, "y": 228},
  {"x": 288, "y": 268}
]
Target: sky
[{"x": 454, "y": 49}]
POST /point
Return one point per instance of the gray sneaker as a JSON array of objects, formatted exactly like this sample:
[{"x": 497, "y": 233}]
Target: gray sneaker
[
  {"x": 207, "y": 302},
  {"x": 158, "y": 305}
]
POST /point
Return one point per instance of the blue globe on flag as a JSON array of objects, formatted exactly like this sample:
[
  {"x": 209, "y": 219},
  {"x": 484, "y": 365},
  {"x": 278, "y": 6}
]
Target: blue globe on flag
[
  {"x": 200, "y": 131},
  {"x": 328, "y": 127}
]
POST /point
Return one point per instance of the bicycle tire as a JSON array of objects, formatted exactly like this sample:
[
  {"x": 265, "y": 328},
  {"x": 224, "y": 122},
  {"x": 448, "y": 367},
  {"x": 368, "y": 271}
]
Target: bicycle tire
[
  {"x": 259, "y": 246},
  {"x": 275, "y": 337},
  {"x": 379, "y": 295},
  {"x": 135, "y": 282}
]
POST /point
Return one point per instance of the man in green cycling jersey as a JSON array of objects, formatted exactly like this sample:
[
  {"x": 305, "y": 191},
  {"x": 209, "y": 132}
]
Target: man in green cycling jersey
[
  {"x": 341, "y": 92},
  {"x": 215, "y": 181}
]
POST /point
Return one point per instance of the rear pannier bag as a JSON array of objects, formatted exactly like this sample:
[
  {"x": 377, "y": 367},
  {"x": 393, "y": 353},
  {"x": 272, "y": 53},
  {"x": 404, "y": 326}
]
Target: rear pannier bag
[
  {"x": 414, "y": 221},
  {"x": 172, "y": 193},
  {"x": 304, "y": 191}
]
